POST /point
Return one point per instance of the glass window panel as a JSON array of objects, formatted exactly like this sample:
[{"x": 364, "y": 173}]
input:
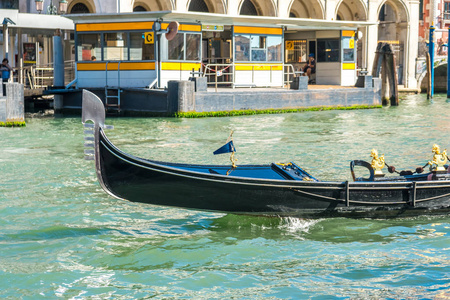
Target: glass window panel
[
  {"x": 328, "y": 50},
  {"x": 139, "y": 50},
  {"x": 295, "y": 51},
  {"x": 258, "y": 55},
  {"x": 176, "y": 47},
  {"x": 274, "y": 48},
  {"x": 88, "y": 47},
  {"x": 193, "y": 46},
  {"x": 115, "y": 46},
  {"x": 349, "y": 55},
  {"x": 242, "y": 47},
  {"x": 258, "y": 42}
]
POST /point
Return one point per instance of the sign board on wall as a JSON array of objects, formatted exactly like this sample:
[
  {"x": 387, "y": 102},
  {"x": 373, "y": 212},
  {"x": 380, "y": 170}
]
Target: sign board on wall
[
  {"x": 206, "y": 27},
  {"x": 29, "y": 53},
  {"x": 149, "y": 37}
]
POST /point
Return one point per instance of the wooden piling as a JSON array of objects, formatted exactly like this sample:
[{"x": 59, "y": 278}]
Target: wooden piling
[{"x": 384, "y": 65}]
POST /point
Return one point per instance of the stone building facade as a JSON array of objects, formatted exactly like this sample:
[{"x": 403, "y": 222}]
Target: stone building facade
[{"x": 396, "y": 21}]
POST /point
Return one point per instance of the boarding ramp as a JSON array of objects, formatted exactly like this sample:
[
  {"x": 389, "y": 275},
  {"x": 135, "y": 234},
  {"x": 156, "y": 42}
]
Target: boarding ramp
[{"x": 36, "y": 79}]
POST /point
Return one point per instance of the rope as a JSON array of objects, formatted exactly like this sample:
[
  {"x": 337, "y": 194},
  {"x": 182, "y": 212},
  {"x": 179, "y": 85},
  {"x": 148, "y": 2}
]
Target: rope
[
  {"x": 390, "y": 167},
  {"x": 212, "y": 70},
  {"x": 404, "y": 170}
]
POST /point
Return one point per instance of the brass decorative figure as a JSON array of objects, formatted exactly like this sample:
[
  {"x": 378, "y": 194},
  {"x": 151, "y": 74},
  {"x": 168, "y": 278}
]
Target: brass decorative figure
[
  {"x": 439, "y": 159},
  {"x": 377, "y": 162}
]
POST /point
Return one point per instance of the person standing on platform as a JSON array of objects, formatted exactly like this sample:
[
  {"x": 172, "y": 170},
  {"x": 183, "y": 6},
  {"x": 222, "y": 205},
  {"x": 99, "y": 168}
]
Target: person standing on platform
[{"x": 6, "y": 73}]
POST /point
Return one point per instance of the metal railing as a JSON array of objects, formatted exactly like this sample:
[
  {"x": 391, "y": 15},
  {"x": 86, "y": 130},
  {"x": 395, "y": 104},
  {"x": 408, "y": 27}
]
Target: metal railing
[
  {"x": 289, "y": 74},
  {"x": 219, "y": 74},
  {"x": 225, "y": 74},
  {"x": 41, "y": 77}
]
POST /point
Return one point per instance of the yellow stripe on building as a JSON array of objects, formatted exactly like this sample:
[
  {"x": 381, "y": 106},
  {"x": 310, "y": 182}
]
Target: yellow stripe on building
[
  {"x": 348, "y": 66},
  {"x": 184, "y": 27},
  {"x": 189, "y": 27},
  {"x": 124, "y": 66},
  {"x": 262, "y": 67},
  {"x": 390, "y": 42},
  {"x": 348, "y": 33},
  {"x": 179, "y": 66},
  {"x": 258, "y": 30},
  {"x": 132, "y": 26},
  {"x": 114, "y": 26}
]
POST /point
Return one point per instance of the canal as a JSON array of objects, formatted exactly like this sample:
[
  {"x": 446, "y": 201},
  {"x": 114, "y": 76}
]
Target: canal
[{"x": 63, "y": 237}]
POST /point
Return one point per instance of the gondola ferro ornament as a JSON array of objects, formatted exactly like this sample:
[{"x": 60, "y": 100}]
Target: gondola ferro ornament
[
  {"x": 437, "y": 164},
  {"x": 377, "y": 163}
]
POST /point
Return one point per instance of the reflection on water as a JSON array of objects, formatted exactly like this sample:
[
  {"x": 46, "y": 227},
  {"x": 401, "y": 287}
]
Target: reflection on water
[{"x": 62, "y": 236}]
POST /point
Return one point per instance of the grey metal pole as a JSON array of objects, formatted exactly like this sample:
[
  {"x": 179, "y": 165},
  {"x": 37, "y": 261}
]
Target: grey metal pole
[
  {"x": 6, "y": 39},
  {"x": 431, "y": 50},
  {"x": 58, "y": 61},
  {"x": 448, "y": 62},
  {"x": 58, "y": 71}
]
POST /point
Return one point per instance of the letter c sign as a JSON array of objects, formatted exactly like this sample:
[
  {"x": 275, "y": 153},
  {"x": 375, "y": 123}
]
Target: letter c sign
[{"x": 149, "y": 38}]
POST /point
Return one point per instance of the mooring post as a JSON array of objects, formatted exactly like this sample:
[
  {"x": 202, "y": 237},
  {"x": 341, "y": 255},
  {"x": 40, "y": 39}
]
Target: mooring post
[
  {"x": 431, "y": 50},
  {"x": 58, "y": 70},
  {"x": 448, "y": 62}
]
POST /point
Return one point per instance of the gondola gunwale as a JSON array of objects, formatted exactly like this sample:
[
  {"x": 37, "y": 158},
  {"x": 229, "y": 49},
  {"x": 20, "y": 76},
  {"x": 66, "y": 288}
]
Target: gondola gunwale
[{"x": 176, "y": 171}]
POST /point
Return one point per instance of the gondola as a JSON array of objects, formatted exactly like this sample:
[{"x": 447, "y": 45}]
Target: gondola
[{"x": 269, "y": 190}]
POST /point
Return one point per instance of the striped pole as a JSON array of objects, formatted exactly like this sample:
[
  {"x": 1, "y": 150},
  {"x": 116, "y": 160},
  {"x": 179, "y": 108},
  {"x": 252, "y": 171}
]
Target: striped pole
[
  {"x": 431, "y": 50},
  {"x": 448, "y": 62}
]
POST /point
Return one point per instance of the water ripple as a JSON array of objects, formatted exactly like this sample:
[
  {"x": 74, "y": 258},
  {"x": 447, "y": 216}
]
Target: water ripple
[{"x": 63, "y": 237}]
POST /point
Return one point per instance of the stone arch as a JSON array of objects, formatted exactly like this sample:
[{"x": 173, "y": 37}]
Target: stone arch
[
  {"x": 79, "y": 6},
  {"x": 154, "y": 5},
  {"x": 393, "y": 17},
  {"x": 398, "y": 11},
  {"x": 440, "y": 70},
  {"x": 139, "y": 6},
  {"x": 262, "y": 7},
  {"x": 211, "y": 5},
  {"x": 306, "y": 9},
  {"x": 351, "y": 10},
  {"x": 198, "y": 6}
]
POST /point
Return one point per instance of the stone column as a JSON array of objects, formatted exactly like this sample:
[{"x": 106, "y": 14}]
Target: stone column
[
  {"x": 412, "y": 45},
  {"x": 372, "y": 32},
  {"x": 372, "y": 41},
  {"x": 330, "y": 9},
  {"x": 181, "y": 5},
  {"x": 233, "y": 7},
  {"x": 283, "y": 9}
]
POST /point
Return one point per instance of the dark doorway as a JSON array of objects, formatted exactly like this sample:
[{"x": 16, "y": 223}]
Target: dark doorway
[{"x": 312, "y": 48}]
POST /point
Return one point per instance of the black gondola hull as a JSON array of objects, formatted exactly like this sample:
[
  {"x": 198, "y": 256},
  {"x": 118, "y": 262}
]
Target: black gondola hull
[
  {"x": 134, "y": 179},
  {"x": 275, "y": 190}
]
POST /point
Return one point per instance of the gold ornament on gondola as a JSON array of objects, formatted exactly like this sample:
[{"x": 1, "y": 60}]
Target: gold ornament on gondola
[
  {"x": 377, "y": 162},
  {"x": 439, "y": 159}
]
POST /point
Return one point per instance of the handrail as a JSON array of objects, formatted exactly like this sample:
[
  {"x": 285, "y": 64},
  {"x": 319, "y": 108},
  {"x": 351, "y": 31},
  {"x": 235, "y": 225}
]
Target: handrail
[
  {"x": 118, "y": 72},
  {"x": 213, "y": 70},
  {"x": 218, "y": 70},
  {"x": 287, "y": 74}
]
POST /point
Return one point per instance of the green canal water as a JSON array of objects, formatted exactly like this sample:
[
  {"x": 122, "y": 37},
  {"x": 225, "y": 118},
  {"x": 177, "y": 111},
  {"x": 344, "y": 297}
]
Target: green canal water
[{"x": 61, "y": 236}]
